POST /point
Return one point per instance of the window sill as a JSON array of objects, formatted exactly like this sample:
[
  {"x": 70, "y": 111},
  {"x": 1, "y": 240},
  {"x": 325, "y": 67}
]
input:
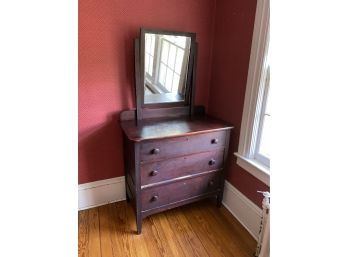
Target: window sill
[{"x": 255, "y": 168}]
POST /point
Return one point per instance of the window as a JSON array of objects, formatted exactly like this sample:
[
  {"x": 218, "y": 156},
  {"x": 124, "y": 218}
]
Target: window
[
  {"x": 254, "y": 142},
  {"x": 262, "y": 148},
  {"x": 172, "y": 56},
  {"x": 149, "y": 53}
]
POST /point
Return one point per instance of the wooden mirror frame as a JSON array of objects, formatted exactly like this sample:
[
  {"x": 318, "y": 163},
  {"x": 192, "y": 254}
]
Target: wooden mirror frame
[{"x": 175, "y": 109}]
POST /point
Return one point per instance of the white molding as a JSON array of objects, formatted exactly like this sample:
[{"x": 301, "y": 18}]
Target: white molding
[
  {"x": 257, "y": 169},
  {"x": 251, "y": 103},
  {"x": 101, "y": 192},
  {"x": 254, "y": 95},
  {"x": 244, "y": 210}
]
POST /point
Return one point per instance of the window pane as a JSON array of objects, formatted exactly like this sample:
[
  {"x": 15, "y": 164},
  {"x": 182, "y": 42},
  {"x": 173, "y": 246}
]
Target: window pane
[
  {"x": 164, "y": 54},
  {"x": 176, "y": 80},
  {"x": 153, "y": 41},
  {"x": 264, "y": 147},
  {"x": 269, "y": 97},
  {"x": 172, "y": 53},
  {"x": 179, "y": 59},
  {"x": 150, "y": 65},
  {"x": 147, "y": 43},
  {"x": 146, "y": 62},
  {"x": 162, "y": 75},
  {"x": 181, "y": 41},
  {"x": 178, "y": 40},
  {"x": 265, "y": 137},
  {"x": 169, "y": 79}
]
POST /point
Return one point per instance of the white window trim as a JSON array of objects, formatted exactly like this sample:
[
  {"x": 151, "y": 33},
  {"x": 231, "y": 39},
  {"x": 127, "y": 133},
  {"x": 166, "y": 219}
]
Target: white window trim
[
  {"x": 252, "y": 104},
  {"x": 259, "y": 156}
]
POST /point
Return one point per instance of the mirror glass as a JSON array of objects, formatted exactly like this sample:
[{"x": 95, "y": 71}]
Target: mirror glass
[{"x": 165, "y": 67}]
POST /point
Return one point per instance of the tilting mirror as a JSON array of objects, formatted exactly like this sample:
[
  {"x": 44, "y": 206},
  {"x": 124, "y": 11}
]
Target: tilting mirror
[{"x": 166, "y": 59}]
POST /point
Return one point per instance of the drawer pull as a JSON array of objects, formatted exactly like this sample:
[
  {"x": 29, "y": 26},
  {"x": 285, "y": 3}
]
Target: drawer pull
[
  {"x": 154, "y": 198},
  {"x": 155, "y": 151},
  {"x": 214, "y": 141},
  {"x": 211, "y": 183},
  {"x": 212, "y": 162},
  {"x": 154, "y": 172}
]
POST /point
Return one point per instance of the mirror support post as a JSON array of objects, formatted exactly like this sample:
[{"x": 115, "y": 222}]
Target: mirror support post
[
  {"x": 193, "y": 78},
  {"x": 137, "y": 78}
]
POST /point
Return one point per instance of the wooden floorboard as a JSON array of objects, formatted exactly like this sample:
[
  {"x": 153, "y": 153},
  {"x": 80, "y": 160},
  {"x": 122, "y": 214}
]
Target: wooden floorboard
[
  {"x": 207, "y": 232},
  {"x": 195, "y": 230},
  {"x": 187, "y": 236}
]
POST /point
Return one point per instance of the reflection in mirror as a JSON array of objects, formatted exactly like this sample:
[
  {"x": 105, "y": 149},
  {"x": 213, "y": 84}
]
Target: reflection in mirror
[{"x": 166, "y": 66}]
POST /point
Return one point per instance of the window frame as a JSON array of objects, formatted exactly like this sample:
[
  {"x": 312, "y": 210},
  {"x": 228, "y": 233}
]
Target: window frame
[
  {"x": 254, "y": 97},
  {"x": 257, "y": 155}
]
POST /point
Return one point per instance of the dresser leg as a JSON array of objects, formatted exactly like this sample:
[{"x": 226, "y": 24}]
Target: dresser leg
[
  {"x": 127, "y": 197},
  {"x": 219, "y": 200},
  {"x": 139, "y": 223}
]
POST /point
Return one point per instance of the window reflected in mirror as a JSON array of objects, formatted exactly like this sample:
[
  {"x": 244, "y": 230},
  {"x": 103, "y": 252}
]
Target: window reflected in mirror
[{"x": 166, "y": 67}]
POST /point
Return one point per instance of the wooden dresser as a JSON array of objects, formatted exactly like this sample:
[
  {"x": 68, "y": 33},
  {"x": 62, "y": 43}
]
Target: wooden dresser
[
  {"x": 175, "y": 161},
  {"x": 174, "y": 154}
]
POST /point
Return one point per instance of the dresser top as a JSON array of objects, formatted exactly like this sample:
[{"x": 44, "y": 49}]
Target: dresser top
[{"x": 173, "y": 127}]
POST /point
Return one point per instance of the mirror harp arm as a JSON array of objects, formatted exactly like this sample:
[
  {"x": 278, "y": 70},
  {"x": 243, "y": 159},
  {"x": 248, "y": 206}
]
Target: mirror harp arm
[
  {"x": 193, "y": 79},
  {"x": 138, "y": 90}
]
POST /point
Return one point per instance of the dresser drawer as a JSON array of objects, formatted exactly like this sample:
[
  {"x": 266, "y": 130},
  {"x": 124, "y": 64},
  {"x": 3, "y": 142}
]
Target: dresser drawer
[
  {"x": 154, "y": 172},
  {"x": 179, "y": 146},
  {"x": 161, "y": 195}
]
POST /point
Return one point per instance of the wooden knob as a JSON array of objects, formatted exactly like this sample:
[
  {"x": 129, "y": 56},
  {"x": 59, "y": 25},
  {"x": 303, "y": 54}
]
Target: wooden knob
[
  {"x": 214, "y": 141},
  {"x": 212, "y": 162},
  {"x": 154, "y": 173},
  {"x": 211, "y": 183},
  {"x": 154, "y": 198},
  {"x": 155, "y": 151}
]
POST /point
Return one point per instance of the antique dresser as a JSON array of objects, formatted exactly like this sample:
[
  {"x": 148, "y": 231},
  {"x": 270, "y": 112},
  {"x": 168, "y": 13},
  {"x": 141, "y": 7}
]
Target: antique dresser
[{"x": 174, "y": 154}]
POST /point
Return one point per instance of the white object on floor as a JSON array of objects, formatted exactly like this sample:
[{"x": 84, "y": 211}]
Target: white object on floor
[{"x": 263, "y": 243}]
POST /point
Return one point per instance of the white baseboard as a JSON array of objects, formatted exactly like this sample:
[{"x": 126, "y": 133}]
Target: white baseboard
[
  {"x": 101, "y": 192},
  {"x": 245, "y": 211}
]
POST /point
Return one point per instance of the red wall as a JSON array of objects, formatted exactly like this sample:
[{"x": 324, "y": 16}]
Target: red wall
[
  {"x": 234, "y": 25},
  {"x": 106, "y": 71}
]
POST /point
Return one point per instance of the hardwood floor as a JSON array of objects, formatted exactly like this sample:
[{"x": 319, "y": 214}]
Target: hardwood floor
[{"x": 199, "y": 229}]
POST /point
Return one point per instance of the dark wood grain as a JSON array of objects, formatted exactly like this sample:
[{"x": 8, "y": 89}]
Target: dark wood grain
[
  {"x": 162, "y": 153},
  {"x": 173, "y": 152},
  {"x": 183, "y": 202},
  {"x": 137, "y": 70},
  {"x": 168, "y": 32},
  {"x": 167, "y": 170},
  {"x": 172, "y": 127},
  {"x": 158, "y": 196},
  {"x": 138, "y": 202},
  {"x": 193, "y": 79},
  {"x": 222, "y": 178},
  {"x": 181, "y": 111},
  {"x": 155, "y": 150},
  {"x": 165, "y": 112}
]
